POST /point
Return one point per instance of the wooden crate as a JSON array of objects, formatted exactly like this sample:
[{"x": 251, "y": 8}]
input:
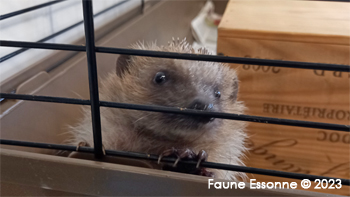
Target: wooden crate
[{"x": 309, "y": 31}]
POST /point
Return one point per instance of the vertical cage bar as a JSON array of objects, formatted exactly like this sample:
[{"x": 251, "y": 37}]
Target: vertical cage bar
[
  {"x": 93, "y": 80},
  {"x": 142, "y": 6}
]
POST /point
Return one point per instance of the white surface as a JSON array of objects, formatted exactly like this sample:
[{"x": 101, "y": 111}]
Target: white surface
[
  {"x": 35, "y": 25},
  {"x": 204, "y": 34}
]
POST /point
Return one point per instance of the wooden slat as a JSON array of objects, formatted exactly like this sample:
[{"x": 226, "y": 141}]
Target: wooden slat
[{"x": 289, "y": 20}]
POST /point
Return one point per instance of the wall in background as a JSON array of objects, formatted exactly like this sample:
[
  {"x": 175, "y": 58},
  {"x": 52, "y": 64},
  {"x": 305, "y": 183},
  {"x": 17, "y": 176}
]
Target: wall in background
[{"x": 38, "y": 24}]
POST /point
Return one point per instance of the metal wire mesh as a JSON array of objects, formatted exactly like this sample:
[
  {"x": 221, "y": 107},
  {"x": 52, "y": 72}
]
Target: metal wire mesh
[{"x": 95, "y": 103}]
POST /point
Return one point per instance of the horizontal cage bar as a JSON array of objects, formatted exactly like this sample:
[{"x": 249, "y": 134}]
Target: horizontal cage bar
[
  {"x": 162, "y": 54},
  {"x": 95, "y": 103},
  {"x": 25, "y": 10},
  {"x": 177, "y": 110},
  {"x": 152, "y": 157},
  {"x": 13, "y": 54}
]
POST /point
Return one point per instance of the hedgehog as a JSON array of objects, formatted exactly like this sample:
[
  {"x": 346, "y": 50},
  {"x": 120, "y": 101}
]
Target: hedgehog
[{"x": 197, "y": 85}]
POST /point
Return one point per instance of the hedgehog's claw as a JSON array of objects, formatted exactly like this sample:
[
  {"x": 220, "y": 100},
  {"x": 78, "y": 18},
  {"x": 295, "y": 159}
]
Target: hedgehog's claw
[
  {"x": 186, "y": 154},
  {"x": 167, "y": 152},
  {"x": 103, "y": 150},
  {"x": 80, "y": 144},
  {"x": 202, "y": 156}
]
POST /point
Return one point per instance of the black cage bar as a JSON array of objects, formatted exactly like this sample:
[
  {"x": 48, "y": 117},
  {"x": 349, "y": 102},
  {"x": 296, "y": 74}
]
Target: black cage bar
[
  {"x": 12, "y": 14},
  {"x": 17, "y": 52},
  {"x": 95, "y": 103},
  {"x": 185, "y": 56},
  {"x": 177, "y": 110},
  {"x": 93, "y": 80}
]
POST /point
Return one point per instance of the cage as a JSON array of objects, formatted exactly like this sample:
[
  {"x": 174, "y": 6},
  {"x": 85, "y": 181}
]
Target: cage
[{"x": 30, "y": 130}]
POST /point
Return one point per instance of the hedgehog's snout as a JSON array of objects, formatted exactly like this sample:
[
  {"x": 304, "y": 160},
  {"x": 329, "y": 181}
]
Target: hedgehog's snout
[{"x": 202, "y": 105}]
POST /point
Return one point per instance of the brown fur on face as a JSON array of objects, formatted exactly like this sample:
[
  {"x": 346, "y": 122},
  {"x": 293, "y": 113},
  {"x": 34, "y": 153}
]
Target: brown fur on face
[{"x": 187, "y": 83}]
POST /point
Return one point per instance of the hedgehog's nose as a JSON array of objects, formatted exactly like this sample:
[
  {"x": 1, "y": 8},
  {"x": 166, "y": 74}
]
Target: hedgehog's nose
[{"x": 200, "y": 105}]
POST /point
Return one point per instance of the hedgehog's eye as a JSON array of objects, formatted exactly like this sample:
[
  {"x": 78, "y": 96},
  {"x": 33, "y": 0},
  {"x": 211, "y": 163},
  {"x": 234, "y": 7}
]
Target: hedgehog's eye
[
  {"x": 217, "y": 94},
  {"x": 159, "y": 78}
]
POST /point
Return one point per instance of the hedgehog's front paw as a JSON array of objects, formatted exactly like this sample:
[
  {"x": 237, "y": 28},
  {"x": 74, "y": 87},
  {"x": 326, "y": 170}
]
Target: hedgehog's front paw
[
  {"x": 186, "y": 154},
  {"x": 205, "y": 172},
  {"x": 81, "y": 144},
  {"x": 67, "y": 153},
  {"x": 178, "y": 153},
  {"x": 85, "y": 144}
]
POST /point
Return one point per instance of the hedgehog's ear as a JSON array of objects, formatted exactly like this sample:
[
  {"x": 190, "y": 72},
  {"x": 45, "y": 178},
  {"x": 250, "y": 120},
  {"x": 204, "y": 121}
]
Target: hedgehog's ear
[
  {"x": 234, "y": 93},
  {"x": 123, "y": 65}
]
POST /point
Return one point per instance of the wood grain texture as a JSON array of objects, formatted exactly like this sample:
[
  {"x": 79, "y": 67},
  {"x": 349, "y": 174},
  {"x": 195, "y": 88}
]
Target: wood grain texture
[
  {"x": 308, "y": 31},
  {"x": 291, "y": 20}
]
